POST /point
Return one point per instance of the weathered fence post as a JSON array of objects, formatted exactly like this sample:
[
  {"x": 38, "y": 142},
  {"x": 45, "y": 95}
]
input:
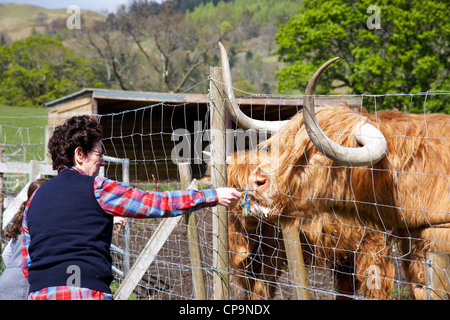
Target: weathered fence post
[
  {"x": 126, "y": 227},
  {"x": 192, "y": 236},
  {"x": 294, "y": 254},
  {"x": 126, "y": 238},
  {"x": 219, "y": 179},
  {"x": 34, "y": 170},
  {"x": 438, "y": 275}
]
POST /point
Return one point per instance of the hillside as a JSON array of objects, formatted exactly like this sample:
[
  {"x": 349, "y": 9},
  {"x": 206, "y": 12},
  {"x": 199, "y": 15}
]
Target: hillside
[
  {"x": 17, "y": 21},
  {"x": 146, "y": 46}
]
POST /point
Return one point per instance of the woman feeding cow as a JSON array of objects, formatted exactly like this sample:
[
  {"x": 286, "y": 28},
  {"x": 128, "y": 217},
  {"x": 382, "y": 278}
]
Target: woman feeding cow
[{"x": 68, "y": 221}]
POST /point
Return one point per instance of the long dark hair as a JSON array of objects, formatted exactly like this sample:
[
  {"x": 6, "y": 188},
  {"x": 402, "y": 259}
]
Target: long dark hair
[{"x": 15, "y": 226}]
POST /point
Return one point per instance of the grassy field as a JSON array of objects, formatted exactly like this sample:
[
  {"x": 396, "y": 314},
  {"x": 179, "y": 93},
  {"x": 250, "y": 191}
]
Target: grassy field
[
  {"x": 22, "y": 130},
  {"x": 20, "y": 112}
]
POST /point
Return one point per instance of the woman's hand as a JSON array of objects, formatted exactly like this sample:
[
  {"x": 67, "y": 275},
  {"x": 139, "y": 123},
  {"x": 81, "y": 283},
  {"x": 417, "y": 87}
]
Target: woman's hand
[{"x": 228, "y": 196}]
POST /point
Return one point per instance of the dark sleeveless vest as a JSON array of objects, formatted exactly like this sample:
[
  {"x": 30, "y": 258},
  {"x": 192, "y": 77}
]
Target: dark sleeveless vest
[{"x": 70, "y": 235}]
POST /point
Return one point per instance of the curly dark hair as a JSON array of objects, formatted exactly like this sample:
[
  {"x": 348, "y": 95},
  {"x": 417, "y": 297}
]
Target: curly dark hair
[
  {"x": 15, "y": 226},
  {"x": 79, "y": 131}
]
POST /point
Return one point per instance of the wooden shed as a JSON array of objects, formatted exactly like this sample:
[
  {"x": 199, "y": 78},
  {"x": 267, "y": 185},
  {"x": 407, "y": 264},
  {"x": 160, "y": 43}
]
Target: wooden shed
[{"x": 139, "y": 126}]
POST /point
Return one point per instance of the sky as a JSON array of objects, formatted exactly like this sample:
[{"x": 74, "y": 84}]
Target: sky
[{"x": 95, "y": 5}]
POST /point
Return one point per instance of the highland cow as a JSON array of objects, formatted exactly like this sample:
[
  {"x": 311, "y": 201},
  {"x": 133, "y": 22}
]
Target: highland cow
[
  {"x": 257, "y": 254},
  {"x": 387, "y": 170}
]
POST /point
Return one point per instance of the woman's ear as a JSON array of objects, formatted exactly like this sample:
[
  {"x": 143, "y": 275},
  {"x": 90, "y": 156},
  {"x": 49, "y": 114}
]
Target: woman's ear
[{"x": 79, "y": 155}]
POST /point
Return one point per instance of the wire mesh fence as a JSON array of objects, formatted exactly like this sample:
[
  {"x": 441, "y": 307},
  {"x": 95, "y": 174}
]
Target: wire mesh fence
[{"x": 345, "y": 257}]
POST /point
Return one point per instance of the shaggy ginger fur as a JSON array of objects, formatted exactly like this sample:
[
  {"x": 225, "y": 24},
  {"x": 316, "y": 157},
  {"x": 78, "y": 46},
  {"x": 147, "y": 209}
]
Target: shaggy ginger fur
[
  {"x": 257, "y": 252},
  {"x": 406, "y": 193}
]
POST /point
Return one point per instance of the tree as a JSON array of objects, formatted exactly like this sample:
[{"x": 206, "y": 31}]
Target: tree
[
  {"x": 40, "y": 69},
  {"x": 172, "y": 38},
  {"x": 408, "y": 53},
  {"x": 173, "y": 48},
  {"x": 120, "y": 64}
]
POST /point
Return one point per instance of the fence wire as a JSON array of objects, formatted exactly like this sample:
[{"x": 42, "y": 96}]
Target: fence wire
[{"x": 345, "y": 258}]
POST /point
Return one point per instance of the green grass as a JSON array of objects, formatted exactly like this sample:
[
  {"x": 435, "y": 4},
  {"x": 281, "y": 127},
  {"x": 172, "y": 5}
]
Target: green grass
[
  {"x": 19, "y": 112},
  {"x": 114, "y": 286},
  {"x": 22, "y": 130}
]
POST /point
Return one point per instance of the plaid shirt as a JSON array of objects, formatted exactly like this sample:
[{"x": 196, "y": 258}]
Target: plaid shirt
[
  {"x": 119, "y": 199},
  {"x": 69, "y": 293}
]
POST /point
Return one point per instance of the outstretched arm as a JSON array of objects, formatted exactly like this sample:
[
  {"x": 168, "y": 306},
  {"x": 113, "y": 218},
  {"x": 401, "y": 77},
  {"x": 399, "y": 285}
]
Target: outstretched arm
[{"x": 119, "y": 199}]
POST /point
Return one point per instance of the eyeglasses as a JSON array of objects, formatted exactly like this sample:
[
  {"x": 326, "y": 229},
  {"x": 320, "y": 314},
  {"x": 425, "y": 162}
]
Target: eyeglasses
[{"x": 100, "y": 154}]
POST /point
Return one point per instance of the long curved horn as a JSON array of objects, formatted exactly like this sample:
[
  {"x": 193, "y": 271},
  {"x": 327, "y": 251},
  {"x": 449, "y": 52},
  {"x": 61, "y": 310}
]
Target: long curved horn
[
  {"x": 240, "y": 118},
  {"x": 372, "y": 140}
]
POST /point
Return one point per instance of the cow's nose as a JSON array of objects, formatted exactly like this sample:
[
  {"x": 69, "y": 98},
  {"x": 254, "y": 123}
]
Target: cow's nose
[{"x": 258, "y": 181}]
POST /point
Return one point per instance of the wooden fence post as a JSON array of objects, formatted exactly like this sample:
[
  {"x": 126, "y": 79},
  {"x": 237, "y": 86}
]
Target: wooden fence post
[
  {"x": 294, "y": 254},
  {"x": 192, "y": 236},
  {"x": 126, "y": 228},
  {"x": 34, "y": 170},
  {"x": 438, "y": 275},
  {"x": 219, "y": 179}
]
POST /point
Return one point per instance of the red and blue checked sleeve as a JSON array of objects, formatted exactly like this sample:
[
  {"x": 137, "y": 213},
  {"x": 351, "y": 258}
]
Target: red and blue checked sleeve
[
  {"x": 119, "y": 199},
  {"x": 25, "y": 255},
  {"x": 26, "y": 239}
]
